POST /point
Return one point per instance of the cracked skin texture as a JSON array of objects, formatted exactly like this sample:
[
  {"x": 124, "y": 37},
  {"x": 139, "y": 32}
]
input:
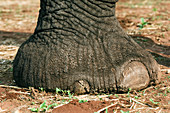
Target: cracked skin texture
[{"x": 79, "y": 45}]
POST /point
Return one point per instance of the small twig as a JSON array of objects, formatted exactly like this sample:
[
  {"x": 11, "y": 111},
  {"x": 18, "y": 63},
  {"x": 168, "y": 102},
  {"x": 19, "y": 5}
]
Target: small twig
[
  {"x": 144, "y": 104},
  {"x": 1, "y": 111},
  {"x": 154, "y": 108},
  {"x": 124, "y": 105},
  {"x": 160, "y": 110},
  {"x": 115, "y": 111},
  {"x": 62, "y": 105},
  {"x": 144, "y": 108},
  {"x": 106, "y": 108},
  {"x": 114, "y": 99},
  {"x": 168, "y": 70},
  {"x": 132, "y": 105},
  {"x": 13, "y": 87},
  {"x": 138, "y": 102},
  {"x": 137, "y": 109},
  {"x": 18, "y": 92},
  {"x": 33, "y": 92},
  {"x": 149, "y": 88}
]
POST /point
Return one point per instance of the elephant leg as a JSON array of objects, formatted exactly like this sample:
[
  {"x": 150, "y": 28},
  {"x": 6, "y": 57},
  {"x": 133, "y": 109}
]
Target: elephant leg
[{"x": 135, "y": 76}]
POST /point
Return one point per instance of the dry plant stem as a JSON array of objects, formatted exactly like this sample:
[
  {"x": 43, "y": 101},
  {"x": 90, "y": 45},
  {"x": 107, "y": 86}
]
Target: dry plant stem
[
  {"x": 114, "y": 99},
  {"x": 132, "y": 105},
  {"x": 148, "y": 88},
  {"x": 145, "y": 108},
  {"x": 2, "y": 111},
  {"x": 115, "y": 111},
  {"x": 65, "y": 98},
  {"x": 165, "y": 70},
  {"x": 124, "y": 105},
  {"x": 106, "y": 107},
  {"x": 61, "y": 105},
  {"x": 138, "y": 102},
  {"x": 137, "y": 109},
  {"x": 33, "y": 91},
  {"x": 160, "y": 110},
  {"x": 144, "y": 104},
  {"x": 13, "y": 87},
  {"x": 18, "y": 92}
]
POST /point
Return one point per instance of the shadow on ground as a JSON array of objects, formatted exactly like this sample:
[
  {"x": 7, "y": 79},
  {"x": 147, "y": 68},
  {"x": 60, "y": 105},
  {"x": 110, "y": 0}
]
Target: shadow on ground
[
  {"x": 13, "y": 38},
  {"x": 160, "y": 52}
]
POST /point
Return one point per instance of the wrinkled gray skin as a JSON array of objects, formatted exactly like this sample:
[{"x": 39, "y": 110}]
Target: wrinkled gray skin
[{"x": 79, "y": 45}]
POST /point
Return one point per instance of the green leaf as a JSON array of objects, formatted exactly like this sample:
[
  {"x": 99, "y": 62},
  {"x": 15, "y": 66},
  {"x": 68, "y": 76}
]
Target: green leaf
[
  {"x": 49, "y": 106},
  {"x": 154, "y": 9},
  {"x": 142, "y": 20},
  {"x": 144, "y": 40},
  {"x": 75, "y": 98},
  {"x": 143, "y": 92},
  {"x": 136, "y": 97},
  {"x": 99, "y": 98},
  {"x": 43, "y": 105},
  {"x": 106, "y": 110},
  {"x": 116, "y": 95},
  {"x": 129, "y": 92},
  {"x": 11, "y": 69},
  {"x": 69, "y": 94},
  {"x": 82, "y": 101},
  {"x": 58, "y": 90},
  {"x": 63, "y": 91},
  {"x": 143, "y": 23},
  {"x": 34, "y": 109},
  {"x": 153, "y": 101},
  {"x": 42, "y": 89}
]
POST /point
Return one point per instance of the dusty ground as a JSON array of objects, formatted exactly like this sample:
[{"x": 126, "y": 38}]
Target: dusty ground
[{"x": 17, "y": 22}]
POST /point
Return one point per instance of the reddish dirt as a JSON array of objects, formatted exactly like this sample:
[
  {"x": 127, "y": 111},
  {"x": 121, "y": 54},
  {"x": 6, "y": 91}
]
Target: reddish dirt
[
  {"x": 88, "y": 107},
  {"x": 17, "y": 22}
]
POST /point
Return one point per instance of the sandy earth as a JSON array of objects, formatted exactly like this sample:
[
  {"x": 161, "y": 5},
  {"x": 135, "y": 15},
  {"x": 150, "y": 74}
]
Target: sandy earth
[{"x": 17, "y": 22}]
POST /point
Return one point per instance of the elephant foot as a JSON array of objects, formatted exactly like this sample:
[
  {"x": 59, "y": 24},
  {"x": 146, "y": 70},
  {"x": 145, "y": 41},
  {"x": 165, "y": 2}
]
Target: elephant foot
[
  {"x": 135, "y": 76},
  {"x": 81, "y": 87}
]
